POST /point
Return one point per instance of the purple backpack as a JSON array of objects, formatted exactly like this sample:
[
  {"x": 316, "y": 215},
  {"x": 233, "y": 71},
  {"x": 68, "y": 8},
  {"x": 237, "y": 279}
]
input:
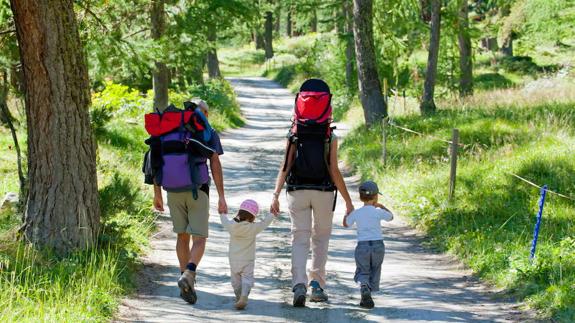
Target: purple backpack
[{"x": 177, "y": 157}]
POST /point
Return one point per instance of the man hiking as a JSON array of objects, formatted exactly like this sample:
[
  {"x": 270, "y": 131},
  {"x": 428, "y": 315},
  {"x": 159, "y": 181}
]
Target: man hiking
[
  {"x": 184, "y": 152},
  {"x": 310, "y": 169}
]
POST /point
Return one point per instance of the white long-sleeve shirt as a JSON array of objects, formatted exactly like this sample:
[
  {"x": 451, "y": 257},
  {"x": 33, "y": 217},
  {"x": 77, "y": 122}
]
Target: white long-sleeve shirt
[
  {"x": 368, "y": 222},
  {"x": 243, "y": 237}
]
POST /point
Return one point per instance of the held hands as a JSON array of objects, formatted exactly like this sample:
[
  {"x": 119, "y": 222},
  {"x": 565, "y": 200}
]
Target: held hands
[
  {"x": 222, "y": 206},
  {"x": 348, "y": 208},
  {"x": 275, "y": 206},
  {"x": 345, "y": 220}
]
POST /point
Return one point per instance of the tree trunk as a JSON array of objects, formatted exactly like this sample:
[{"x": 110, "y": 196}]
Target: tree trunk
[
  {"x": 258, "y": 39},
  {"x": 269, "y": 35},
  {"x": 507, "y": 47},
  {"x": 374, "y": 106},
  {"x": 62, "y": 210},
  {"x": 464, "y": 40},
  {"x": 277, "y": 22},
  {"x": 212, "y": 57},
  {"x": 427, "y": 105},
  {"x": 197, "y": 73},
  {"x": 349, "y": 46},
  {"x": 289, "y": 23},
  {"x": 313, "y": 24},
  {"x": 160, "y": 74}
]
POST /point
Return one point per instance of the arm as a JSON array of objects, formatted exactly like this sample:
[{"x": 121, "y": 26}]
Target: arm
[
  {"x": 217, "y": 173},
  {"x": 337, "y": 178},
  {"x": 348, "y": 220},
  {"x": 262, "y": 225},
  {"x": 385, "y": 213},
  {"x": 225, "y": 221},
  {"x": 275, "y": 206},
  {"x": 158, "y": 200}
]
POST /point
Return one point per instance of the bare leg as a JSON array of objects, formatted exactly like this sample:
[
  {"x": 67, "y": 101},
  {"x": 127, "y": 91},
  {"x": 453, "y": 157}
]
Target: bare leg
[
  {"x": 183, "y": 250},
  {"x": 197, "y": 251}
]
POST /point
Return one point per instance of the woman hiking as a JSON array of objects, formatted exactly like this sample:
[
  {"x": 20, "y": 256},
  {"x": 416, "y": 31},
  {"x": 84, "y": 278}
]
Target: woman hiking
[{"x": 310, "y": 170}]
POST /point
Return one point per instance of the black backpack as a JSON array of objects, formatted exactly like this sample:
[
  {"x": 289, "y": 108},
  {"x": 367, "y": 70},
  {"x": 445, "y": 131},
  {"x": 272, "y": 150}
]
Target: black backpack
[{"x": 311, "y": 138}]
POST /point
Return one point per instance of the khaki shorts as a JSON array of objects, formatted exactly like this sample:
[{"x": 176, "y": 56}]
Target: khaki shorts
[{"x": 189, "y": 215}]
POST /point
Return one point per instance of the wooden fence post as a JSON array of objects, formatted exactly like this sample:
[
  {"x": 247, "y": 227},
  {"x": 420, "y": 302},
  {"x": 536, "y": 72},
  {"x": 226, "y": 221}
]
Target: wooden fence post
[
  {"x": 384, "y": 133},
  {"x": 453, "y": 170},
  {"x": 404, "y": 103}
]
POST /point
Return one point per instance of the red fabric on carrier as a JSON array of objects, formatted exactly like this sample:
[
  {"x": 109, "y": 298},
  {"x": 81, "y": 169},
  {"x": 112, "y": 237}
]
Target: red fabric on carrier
[
  {"x": 159, "y": 124},
  {"x": 313, "y": 106}
]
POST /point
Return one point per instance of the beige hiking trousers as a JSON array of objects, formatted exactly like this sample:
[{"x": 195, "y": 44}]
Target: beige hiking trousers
[
  {"x": 242, "y": 274},
  {"x": 311, "y": 215}
]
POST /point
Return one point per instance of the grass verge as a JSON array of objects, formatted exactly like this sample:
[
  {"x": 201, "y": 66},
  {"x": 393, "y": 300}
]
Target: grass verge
[{"x": 490, "y": 224}]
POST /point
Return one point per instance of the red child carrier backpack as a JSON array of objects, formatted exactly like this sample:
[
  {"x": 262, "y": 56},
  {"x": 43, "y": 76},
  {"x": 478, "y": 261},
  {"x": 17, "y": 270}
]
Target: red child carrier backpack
[
  {"x": 311, "y": 135},
  {"x": 178, "y": 145}
]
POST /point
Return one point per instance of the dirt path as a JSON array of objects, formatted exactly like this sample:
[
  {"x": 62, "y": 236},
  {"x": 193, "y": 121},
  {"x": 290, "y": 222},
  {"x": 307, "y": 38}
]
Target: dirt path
[{"x": 417, "y": 285}]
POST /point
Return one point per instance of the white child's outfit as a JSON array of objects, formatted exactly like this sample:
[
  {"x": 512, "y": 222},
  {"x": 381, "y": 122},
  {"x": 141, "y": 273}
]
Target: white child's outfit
[
  {"x": 370, "y": 248},
  {"x": 242, "y": 251}
]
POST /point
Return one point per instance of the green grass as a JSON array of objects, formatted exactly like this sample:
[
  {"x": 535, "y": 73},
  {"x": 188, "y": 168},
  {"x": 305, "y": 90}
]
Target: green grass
[
  {"x": 36, "y": 285},
  {"x": 8, "y": 175},
  {"x": 490, "y": 223}
]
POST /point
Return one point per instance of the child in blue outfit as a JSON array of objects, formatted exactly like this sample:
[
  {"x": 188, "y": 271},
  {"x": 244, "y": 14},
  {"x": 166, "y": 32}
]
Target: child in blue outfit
[{"x": 370, "y": 248}]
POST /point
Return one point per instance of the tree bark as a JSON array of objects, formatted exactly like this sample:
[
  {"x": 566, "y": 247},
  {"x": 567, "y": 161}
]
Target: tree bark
[
  {"x": 258, "y": 39},
  {"x": 268, "y": 37},
  {"x": 212, "y": 57},
  {"x": 160, "y": 74},
  {"x": 289, "y": 23},
  {"x": 62, "y": 210},
  {"x": 464, "y": 40},
  {"x": 313, "y": 23},
  {"x": 350, "y": 75},
  {"x": 374, "y": 106},
  {"x": 507, "y": 47},
  {"x": 427, "y": 105},
  {"x": 277, "y": 22},
  {"x": 197, "y": 73}
]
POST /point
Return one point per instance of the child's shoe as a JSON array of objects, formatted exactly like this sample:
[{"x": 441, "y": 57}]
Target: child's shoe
[
  {"x": 299, "y": 293},
  {"x": 242, "y": 302},
  {"x": 366, "y": 300},
  {"x": 186, "y": 284},
  {"x": 317, "y": 293}
]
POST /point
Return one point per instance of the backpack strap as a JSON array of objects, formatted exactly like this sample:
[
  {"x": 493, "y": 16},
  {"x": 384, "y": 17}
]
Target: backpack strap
[
  {"x": 192, "y": 168},
  {"x": 292, "y": 139},
  {"x": 334, "y": 201}
]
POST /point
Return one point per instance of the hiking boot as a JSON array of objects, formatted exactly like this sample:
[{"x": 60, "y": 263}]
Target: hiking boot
[
  {"x": 186, "y": 284},
  {"x": 317, "y": 293},
  {"x": 241, "y": 303},
  {"x": 299, "y": 293},
  {"x": 238, "y": 293},
  {"x": 366, "y": 300}
]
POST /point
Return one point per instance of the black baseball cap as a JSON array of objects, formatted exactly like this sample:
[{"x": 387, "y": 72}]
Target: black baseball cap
[{"x": 369, "y": 188}]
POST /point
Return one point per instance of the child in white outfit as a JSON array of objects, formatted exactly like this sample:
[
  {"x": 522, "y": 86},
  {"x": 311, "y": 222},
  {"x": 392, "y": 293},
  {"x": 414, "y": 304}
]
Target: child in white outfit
[
  {"x": 242, "y": 250},
  {"x": 370, "y": 248}
]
